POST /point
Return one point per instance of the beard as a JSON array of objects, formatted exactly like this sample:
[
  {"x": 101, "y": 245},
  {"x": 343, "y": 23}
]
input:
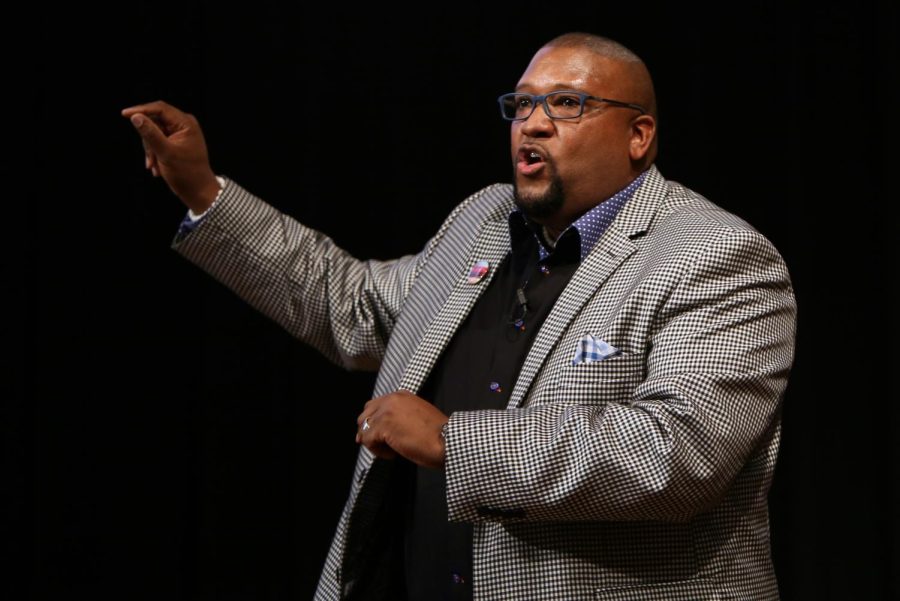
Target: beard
[{"x": 537, "y": 207}]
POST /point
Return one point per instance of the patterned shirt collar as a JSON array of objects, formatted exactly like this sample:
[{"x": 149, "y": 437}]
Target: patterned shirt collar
[{"x": 590, "y": 226}]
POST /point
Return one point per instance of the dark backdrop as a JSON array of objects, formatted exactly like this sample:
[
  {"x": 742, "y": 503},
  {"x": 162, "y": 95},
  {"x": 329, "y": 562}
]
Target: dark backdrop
[{"x": 162, "y": 440}]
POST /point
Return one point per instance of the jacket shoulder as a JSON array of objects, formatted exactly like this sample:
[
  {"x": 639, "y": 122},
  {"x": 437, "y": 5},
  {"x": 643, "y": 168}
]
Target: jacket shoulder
[{"x": 683, "y": 205}]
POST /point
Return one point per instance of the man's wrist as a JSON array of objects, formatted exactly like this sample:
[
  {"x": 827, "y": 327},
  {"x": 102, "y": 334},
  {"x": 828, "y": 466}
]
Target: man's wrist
[
  {"x": 194, "y": 216},
  {"x": 201, "y": 202}
]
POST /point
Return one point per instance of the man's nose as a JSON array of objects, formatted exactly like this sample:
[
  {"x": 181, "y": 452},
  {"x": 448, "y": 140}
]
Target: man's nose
[{"x": 538, "y": 123}]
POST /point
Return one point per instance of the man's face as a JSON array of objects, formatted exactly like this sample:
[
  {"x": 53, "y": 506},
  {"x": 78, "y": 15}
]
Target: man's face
[{"x": 564, "y": 167}]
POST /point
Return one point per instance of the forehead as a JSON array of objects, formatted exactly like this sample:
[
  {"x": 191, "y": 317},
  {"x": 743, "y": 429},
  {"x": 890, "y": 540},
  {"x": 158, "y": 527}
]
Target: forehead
[{"x": 575, "y": 68}]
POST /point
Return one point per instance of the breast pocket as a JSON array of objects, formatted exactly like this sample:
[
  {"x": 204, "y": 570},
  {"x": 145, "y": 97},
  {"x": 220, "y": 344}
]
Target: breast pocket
[{"x": 612, "y": 380}]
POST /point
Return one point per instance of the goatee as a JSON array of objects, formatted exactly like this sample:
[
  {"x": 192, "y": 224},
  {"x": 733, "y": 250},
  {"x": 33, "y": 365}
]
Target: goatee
[{"x": 538, "y": 207}]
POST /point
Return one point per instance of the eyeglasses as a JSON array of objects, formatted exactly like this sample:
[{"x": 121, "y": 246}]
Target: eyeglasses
[{"x": 557, "y": 105}]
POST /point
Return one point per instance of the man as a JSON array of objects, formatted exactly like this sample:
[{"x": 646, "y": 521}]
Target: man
[{"x": 581, "y": 372}]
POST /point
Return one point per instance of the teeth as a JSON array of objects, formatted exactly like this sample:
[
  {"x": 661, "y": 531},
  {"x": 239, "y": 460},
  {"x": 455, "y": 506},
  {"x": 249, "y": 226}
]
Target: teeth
[{"x": 534, "y": 155}]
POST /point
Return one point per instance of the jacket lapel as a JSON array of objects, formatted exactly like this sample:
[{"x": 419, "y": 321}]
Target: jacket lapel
[
  {"x": 491, "y": 245},
  {"x": 611, "y": 250}
]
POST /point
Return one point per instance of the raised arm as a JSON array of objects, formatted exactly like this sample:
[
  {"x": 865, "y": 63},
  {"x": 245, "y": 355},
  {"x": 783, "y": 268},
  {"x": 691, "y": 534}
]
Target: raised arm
[{"x": 297, "y": 276}]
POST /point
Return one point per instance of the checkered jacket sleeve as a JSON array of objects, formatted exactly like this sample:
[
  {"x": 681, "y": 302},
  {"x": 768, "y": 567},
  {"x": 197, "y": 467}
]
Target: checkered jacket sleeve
[
  {"x": 661, "y": 431},
  {"x": 297, "y": 276}
]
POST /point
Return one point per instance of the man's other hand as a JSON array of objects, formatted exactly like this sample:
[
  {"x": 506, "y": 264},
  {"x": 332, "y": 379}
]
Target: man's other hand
[{"x": 403, "y": 424}]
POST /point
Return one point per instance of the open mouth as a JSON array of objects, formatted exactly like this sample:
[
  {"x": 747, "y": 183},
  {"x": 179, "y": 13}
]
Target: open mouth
[
  {"x": 529, "y": 160},
  {"x": 530, "y": 157}
]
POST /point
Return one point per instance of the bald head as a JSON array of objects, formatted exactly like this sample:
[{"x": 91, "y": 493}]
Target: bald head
[
  {"x": 598, "y": 44},
  {"x": 636, "y": 79}
]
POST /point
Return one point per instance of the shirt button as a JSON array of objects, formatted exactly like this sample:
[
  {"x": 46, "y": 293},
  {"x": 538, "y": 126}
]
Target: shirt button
[
  {"x": 495, "y": 387},
  {"x": 545, "y": 270}
]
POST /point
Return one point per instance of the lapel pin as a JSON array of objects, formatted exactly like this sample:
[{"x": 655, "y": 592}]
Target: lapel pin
[{"x": 478, "y": 271}]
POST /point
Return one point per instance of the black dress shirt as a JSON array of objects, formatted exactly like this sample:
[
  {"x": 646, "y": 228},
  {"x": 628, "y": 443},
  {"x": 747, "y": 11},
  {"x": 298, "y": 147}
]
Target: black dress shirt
[{"x": 477, "y": 371}]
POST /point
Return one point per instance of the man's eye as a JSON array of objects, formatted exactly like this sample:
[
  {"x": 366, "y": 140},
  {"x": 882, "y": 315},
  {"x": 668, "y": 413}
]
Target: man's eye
[
  {"x": 565, "y": 101},
  {"x": 523, "y": 102}
]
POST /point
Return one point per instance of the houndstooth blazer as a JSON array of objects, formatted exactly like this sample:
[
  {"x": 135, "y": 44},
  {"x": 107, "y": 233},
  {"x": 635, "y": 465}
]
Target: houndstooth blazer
[{"x": 642, "y": 476}]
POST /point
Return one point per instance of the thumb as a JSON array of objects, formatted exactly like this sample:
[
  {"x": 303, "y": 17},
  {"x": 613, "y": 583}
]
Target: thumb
[{"x": 153, "y": 137}]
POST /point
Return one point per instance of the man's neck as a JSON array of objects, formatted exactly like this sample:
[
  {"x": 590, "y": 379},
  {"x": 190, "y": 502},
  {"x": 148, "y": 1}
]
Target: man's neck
[{"x": 551, "y": 235}]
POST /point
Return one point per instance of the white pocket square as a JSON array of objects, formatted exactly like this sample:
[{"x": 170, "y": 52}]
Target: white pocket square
[{"x": 590, "y": 349}]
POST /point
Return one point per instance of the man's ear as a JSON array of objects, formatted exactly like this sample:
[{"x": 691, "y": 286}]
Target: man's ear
[{"x": 643, "y": 134}]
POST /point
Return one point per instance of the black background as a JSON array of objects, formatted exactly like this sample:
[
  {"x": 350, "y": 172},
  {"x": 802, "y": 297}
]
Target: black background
[{"x": 162, "y": 440}]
